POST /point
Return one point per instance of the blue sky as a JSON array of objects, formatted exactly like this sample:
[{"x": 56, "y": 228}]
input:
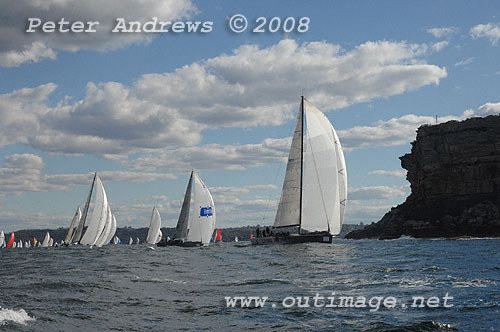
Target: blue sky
[{"x": 143, "y": 110}]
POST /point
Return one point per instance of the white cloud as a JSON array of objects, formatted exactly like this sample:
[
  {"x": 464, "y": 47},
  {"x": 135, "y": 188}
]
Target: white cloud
[
  {"x": 17, "y": 46},
  {"x": 464, "y": 62},
  {"x": 251, "y": 87},
  {"x": 439, "y": 45},
  {"x": 31, "y": 53},
  {"x": 488, "y": 109},
  {"x": 490, "y": 31},
  {"x": 377, "y": 192},
  {"x": 441, "y": 32},
  {"x": 23, "y": 173},
  {"x": 402, "y": 130},
  {"x": 394, "y": 173},
  {"x": 215, "y": 156}
]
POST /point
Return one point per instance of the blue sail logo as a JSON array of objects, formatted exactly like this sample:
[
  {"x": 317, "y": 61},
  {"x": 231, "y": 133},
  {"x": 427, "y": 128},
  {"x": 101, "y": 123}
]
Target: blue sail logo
[{"x": 206, "y": 211}]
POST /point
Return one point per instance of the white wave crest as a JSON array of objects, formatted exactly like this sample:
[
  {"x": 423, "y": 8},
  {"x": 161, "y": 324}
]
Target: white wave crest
[{"x": 17, "y": 316}]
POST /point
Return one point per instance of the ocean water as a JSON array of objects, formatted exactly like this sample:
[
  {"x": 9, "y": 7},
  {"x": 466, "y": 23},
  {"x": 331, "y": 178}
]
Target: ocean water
[{"x": 137, "y": 288}]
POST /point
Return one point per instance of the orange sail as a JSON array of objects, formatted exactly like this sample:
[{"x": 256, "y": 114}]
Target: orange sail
[
  {"x": 218, "y": 236},
  {"x": 11, "y": 240}
]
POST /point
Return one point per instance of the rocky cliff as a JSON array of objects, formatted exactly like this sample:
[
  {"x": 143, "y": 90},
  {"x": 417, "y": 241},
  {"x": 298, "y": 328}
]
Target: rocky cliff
[{"x": 454, "y": 172}]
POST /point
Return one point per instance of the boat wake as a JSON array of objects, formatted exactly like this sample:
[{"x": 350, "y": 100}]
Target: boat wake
[{"x": 17, "y": 316}]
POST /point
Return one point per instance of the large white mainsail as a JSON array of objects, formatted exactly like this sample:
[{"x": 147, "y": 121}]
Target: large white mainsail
[
  {"x": 289, "y": 206},
  {"x": 99, "y": 216},
  {"x": 315, "y": 188},
  {"x": 154, "y": 227},
  {"x": 203, "y": 217}
]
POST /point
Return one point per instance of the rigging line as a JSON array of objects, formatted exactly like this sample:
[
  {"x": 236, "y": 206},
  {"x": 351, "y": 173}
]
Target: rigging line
[{"x": 319, "y": 182}]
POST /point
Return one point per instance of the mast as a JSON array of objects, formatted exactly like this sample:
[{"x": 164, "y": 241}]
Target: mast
[
  {"x": 301, "y": 160},
  {"x": 81, "y": 224}
]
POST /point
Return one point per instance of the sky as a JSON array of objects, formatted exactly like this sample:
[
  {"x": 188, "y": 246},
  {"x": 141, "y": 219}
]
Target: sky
[{"x": 143, "y": 109}]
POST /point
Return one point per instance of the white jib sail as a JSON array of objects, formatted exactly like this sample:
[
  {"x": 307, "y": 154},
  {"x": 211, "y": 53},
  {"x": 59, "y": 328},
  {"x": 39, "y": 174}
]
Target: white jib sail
[
  {"x": 46, "y": 240},
  {"x": 203, "y": 217},
  {"x": 101, "y": 241},
  {"x": 321, "y": 197},
  {"x": 154, "y": 227},
  {"x": 98, "y": 218},
  {"x": 112, "y": 231}
]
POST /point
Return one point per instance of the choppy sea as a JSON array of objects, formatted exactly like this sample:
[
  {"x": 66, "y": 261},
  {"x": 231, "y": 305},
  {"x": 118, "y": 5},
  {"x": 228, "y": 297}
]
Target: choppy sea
[{"x": 140, "y": 288}]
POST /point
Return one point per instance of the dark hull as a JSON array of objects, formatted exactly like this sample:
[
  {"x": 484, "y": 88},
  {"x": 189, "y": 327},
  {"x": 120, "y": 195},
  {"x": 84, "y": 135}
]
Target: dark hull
[
  {"x": 163, "y": 243},
  {"x": 293, "y": 239}
]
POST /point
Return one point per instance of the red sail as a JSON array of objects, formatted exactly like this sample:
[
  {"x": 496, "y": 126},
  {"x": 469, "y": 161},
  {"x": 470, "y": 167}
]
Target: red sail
[
  {"x": 11, "y": 240},
  {"x": 218, "y": 237}
]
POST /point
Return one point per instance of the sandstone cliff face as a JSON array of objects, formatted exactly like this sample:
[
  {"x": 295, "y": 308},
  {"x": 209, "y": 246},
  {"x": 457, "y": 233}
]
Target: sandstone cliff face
[{"x": 454, "y": 172}]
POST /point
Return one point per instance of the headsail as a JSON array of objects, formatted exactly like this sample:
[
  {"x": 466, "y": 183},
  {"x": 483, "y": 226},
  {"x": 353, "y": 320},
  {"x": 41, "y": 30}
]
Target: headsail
[{"x": 154, "y": 227}]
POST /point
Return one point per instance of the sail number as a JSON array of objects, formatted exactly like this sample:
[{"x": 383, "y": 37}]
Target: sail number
[{"x": 275, "y": 24}]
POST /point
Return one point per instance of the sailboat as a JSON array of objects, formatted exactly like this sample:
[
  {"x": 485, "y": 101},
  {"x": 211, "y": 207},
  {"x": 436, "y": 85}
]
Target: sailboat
[
  {"x": 218, "y": 235},
  {"x": 2, "y": 240},
  {"x": 11, "y": 241},
  {"x": 195, "y": 226},
  {"x": 102, "y": 225},
  {"x": 154, "y": 232},
  {"x": 137, "y": 241},
  {"x": 71, "y": 230},
  {"x": 46, "y": 240},
  {"x": 314, "y": 191},
  {"x": 236, "y": 239}
]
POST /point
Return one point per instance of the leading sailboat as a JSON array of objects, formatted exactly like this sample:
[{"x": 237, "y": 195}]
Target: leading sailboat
[
  {"x": 195, "y": 225},
  {"x": 102, "y": 225},
  {"x": 314, "y": 191}
]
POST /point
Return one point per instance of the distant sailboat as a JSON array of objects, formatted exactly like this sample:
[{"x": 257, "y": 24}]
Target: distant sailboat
[
  {"x": 194, "y": 228},
  {"x": 51, "y": 242},
  {"x": 314, "y": 191},
  {"x": 74, "y": 223},
  {"x": 20, "y": 244},
  {"x": 2, "y": 240},
  {"x": 218, "y": 235},
  {"x": 154, "y": 228},
  {"x": 46, "y": 240},
  {"x": 236, "y": 239},
  {"x": 116, "y": 240},
  {"x": 11, "y": 241},
  {"x": 137, "y": 241},
  {"x": 130, "y": 241}
]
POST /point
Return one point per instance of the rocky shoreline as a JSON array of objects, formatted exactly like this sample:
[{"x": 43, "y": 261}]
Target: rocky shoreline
[{"x": 454, "y": 172}]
